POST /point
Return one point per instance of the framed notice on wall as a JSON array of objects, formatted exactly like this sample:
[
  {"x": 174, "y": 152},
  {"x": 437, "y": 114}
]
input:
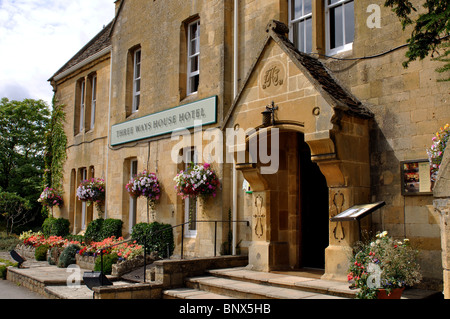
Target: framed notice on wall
[{"x": 416, "y": 178}]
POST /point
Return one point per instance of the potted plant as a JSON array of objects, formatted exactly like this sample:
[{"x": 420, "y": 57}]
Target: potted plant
[
  {"x": 383, "y": 267},
  {"x": 436, "y": 152},
  {"x": 145, "y": 184},
  {"x": 92, "y": 191},
  {"x": 50, "y": 197},
  {"x": 197, "y": 181}
]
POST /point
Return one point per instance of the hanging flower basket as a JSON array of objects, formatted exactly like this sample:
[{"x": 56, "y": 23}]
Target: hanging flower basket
[
  {"x": 146, "y": 185},
  {"x": 50, "y": 197},
  {"x": 197, "y": 181},
  {"x": 92, "y": 191},
  {"x": 436, "y": 152}
]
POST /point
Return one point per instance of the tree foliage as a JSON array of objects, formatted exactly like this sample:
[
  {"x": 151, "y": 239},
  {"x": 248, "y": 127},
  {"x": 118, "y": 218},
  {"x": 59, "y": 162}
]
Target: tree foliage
[
  {"x": 431, "y": 29},
  {"x": 15, "y": 209},
  {"x": 23, "y": 125}
]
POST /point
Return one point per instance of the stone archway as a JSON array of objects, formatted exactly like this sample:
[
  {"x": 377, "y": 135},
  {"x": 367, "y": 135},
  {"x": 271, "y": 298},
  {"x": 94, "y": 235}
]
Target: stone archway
[
  {"x": 348, "y": 181},
  {"x": 306, "y": 99}
]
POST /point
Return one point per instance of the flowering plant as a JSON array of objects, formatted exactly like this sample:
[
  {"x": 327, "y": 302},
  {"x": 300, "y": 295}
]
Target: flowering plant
[
  {"x": 144, "y": 184},
  {"x": 124, "y": 251},
  {"x": 36, "y": 239},
  {"x": 50, "y": 197},
  {"x": 383, "y": 263},
  {"x": 197, "y": 180},
  {"x": 436, "y": 152},
  {"x": 92, "y": 190}
]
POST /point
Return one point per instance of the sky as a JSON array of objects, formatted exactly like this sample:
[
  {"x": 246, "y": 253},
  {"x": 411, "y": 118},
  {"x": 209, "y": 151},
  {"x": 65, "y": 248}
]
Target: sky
[{"x": 37, "y": 37}]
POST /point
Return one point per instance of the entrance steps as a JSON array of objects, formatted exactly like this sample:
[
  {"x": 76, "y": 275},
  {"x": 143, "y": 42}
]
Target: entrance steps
[{"x": 242, "y": 283}]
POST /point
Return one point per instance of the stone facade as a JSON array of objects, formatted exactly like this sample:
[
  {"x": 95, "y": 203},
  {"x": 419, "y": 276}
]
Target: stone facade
[
  {"x": 356, "y": 119},
  {"x": 441, "y": 204}
]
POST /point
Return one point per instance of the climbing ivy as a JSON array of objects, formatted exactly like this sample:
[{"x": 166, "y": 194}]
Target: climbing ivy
[{"x": 56, "y": 143}]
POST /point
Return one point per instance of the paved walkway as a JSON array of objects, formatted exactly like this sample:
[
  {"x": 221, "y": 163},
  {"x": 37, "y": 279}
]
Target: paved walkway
[
  {"x": 66, "y": 283},
  {"x": 9, "y": 290}
]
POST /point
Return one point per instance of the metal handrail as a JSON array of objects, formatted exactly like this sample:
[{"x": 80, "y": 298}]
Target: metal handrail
[{"x": 182, "y": 239}]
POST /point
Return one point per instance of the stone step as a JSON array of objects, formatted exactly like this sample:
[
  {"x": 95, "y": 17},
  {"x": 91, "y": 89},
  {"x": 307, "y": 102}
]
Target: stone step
[
  {"x": 303, "y": 283},
  {"x": 250, "y": 290},
  {"x": 190, "y": 293}
]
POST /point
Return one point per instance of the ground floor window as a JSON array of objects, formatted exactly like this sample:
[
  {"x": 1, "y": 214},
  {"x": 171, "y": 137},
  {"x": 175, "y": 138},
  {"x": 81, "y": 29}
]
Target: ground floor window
[
  {"x": 190, "y": 204},
  {"x": 133, "y": 200}
]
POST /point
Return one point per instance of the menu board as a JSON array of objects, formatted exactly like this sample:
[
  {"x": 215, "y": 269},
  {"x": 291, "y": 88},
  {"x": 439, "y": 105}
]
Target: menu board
[
  {"x": 416, "y": 178},
  {"x": 357, "y": 212}
]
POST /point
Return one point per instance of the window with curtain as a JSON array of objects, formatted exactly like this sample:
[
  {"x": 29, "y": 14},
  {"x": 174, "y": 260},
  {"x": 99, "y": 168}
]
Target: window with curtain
[
  {"x": 340, "y": 18},
  {"x": 300, "y": 24}
]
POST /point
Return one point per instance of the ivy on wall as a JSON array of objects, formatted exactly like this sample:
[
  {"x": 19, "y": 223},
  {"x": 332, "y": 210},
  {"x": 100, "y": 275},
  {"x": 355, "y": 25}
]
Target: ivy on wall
[{"x": 56, "y": 143}]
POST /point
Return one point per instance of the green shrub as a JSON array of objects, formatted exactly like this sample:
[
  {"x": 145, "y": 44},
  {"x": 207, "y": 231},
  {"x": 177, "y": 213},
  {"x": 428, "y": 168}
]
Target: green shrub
[
  {"x": 78, "y": 238},
  {"x": 99, "y": 229},
  {"x": 111, "y": 227},
  {"x": 53, "y": 255},
  {"x": 3, "y": 268},
  {"x": 93, "y": 230},
  {"x": 2, "y": 271},
  {"x": 8, "y": 242},
  {"x": 55, "y": 227},
  {"x": 67, "y": 256},
  {"x": 40, "y": 253},
  {"x": 158, "y": 237},
  {"x": 108, "y": 261}
]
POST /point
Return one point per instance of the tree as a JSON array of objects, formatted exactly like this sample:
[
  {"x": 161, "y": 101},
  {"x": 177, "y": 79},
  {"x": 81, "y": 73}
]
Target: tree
[
  {"x": 23, "y": 125},
  {"x": 431, "y": 30},
  {"x": 15, "y": 209}
]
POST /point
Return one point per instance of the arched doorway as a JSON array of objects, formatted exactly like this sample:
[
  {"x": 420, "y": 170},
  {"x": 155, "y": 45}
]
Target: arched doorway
[
  {"x": 314, "y": 210},
  {"x": 291, "y": 207}
]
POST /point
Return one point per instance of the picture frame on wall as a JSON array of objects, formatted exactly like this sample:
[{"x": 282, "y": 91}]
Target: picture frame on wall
[{"x": 416, "y": 177}]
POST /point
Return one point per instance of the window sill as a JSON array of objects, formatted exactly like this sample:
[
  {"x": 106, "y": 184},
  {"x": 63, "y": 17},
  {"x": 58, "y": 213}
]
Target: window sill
[
  {"x": 341, "y": 52},
  {"x": 133, "y": 115},
  {"x": 189, "y": 98}
]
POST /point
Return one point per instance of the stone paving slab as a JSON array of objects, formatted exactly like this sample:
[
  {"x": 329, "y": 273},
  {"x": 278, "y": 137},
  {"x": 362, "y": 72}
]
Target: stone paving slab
[
  {"x": 188, "y": 293},
  {"x": 320, "y": 286},
  {"x": 238, "y": 288}
]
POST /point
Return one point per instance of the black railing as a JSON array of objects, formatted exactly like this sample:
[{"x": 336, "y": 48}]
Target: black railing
[{"x": 182, "y": 239}]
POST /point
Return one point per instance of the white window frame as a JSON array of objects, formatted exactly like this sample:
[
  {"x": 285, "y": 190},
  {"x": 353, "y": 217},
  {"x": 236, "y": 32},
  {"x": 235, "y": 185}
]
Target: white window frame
[
  {"x": 190, "y": 230},
  {"x": 133, "y": 201},
  {"x": 137, "y": 78},
  {"x": 93, "y": 100},
  {"x": 345, "y": 47},
  {"x": 82, "y": 104},
  {"x": 294, "y": 21},
  {"x": 195, "y": 55}
]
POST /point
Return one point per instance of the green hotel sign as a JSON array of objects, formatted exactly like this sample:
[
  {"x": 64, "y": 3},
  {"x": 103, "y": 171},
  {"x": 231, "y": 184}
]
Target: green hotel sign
[{"x": 167, "y": 121}]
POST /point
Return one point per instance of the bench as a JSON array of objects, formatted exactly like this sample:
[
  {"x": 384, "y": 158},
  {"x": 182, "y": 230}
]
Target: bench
[{"x": 20, "y": 260}]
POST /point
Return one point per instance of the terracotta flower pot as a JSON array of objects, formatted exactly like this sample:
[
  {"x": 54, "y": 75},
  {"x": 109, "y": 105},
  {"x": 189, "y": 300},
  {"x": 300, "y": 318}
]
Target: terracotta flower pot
[{"x": 395, "y": 293}]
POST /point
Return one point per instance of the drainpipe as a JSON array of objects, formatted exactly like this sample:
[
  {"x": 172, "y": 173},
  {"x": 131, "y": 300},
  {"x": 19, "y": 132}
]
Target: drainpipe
[
  {"x": 235, "y": 88},
  {"x": 109, "y": 133}
]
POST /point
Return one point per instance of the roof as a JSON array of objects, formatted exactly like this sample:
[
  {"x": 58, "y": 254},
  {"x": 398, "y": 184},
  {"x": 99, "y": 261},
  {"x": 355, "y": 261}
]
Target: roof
[
  {"x": 100, "y": 42},
  {"x": 314, "y": 70}
]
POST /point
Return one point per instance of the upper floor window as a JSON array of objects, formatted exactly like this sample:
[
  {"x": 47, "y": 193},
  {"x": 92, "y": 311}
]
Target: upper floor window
[
  {"x": 193, "y": 64},
  {"x": 91, "y": 101},
  {"x": 80, "y": 105},
  {"x": 340, "y": 25},
  {"x": 300, "y": 24},
  {"x": 136, "y": 80}
]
